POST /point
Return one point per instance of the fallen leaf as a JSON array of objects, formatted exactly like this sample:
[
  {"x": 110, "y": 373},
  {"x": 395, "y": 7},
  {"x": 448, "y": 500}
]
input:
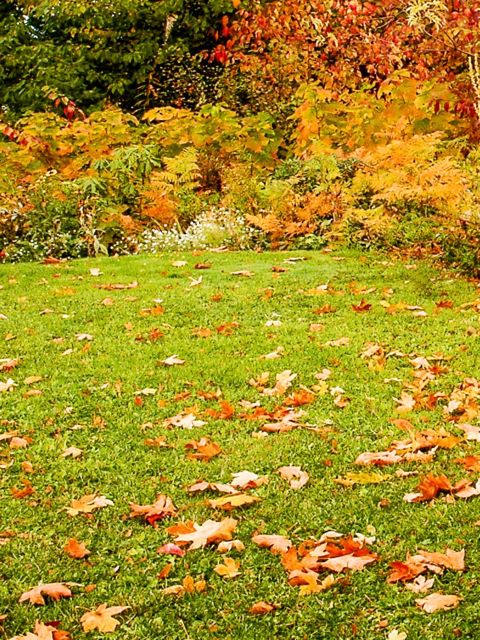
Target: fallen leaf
[
  {"x": 101, "y": 619},
  {"x": 229, "y": 569},
  {"x": 163, "y": 507},
  {"x": 420, "y": 584},
  {"x": 261, "y": 608},
  {"x": 76, "y": 549},
  {"x": 229, "y": 545},
  {"x": 232, "y": 501},
  {"x": 188, "y": 586},
  {"x": 72, "y": 452},
  {"x": 53, "y": 590},
  {"x": 210, "y": 531},
  {"x": 171, "y": 361},
  {"x": 171, "y": 549},
  {"x": 43, "y": 632},
  {"x": 276, "y": 543},
  {"x": 87, "y": 504},
  {"x": 244, "y": 273},
  {"x": 203, "y": 449},
  {"x": 247, "y": 480},
  {"x": 438, "y": 602},
  {"x": 295, "y": 477}
]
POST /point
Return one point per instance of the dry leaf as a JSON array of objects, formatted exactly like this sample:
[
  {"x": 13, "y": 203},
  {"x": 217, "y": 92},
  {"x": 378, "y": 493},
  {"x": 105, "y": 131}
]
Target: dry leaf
[
  {"x": 420, "y": 584},
  {"x": 54, "y": 590},
  {"x": 247, "y": 480},
  {"x": 231, "y": 502},
  {"x": 210, "y": 531},
  {"x": 295, "y": 476},
  {"x": 203, "y": 449},
  {"x": 163, "y": 507},
  {"x": 438, "y": 602},
  {"x": 87, "y": 504},
  {"x": 102, "y": 619},
  {"x": 229, "y": 545},
  {"x": 188, "y": 586},
  {"x": 43, "y": 632},
  {"x": 171, "y": 361},
  {"x": 276, "y": 543},
  {"x": 72, "y": 452},
  {"x": 229, "y": 569},
  {"x": 262, "y": 608},
  {"x": 76, "y": 549},
  {"x": 171, "y": 549}
]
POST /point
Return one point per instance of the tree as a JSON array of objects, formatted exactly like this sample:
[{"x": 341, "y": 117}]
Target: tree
[{"x": 135, "y": 53}]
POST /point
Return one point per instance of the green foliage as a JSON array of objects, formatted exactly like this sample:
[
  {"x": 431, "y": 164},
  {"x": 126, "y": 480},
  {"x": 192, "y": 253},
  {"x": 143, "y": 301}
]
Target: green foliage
[{"x": 131, "y": 52}]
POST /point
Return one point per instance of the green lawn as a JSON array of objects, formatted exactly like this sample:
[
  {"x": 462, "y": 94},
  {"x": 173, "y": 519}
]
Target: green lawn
[{"x": 91, "y": 399}]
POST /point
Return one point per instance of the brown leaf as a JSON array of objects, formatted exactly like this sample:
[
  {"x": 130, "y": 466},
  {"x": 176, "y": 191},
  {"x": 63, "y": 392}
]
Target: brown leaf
[
  {"x": 247, "y": 480},
  {"x": 229, "y": 569},
  {"x": 102, "y": 619},
  {"x": 362, "y": 306},
  {"x": 203, "y": 449},
  {"x": 262, "y": 608},
  {"x": 231, "y": 502},
  {"x": 53, "y": 590},
  {"x": 438, "y": 602},
  {"x": 210, "y": 531},
  {"x": 163, "y": 507},
  {"x": 295, "y": 476},
  {"x": 276, "y": 543},
  {"x": 87, "y": 504},
  {"x": 76, "y": 549},
  {"x": 43, "y": 632}
]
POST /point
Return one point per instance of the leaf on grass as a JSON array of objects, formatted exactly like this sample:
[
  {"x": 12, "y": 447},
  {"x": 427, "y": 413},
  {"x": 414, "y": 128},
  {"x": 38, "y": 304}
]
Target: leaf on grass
[
  {"x": 210, "y": 531},
  {"x": 231, "y": 502},
  {"x": 163, "y": 507},
  {"x": 229, "y": 545},
  {"x": 188, "y": 586},
  {"x": 117, "y": 287},
  {"x": 471, "y": 432},
  {"x": 420, "y": 584},
  {"x": 202, "y": 485},
  {"x": 183, "y": 420},
  {"x": 102, "y": 619},
  {"x": 351, "y": 479},
  {"x": 245, "y": 273},
  {"x": 171, "y": 549},
  {"x": 470, "y": 463},
  {"x": 276, "y": 543},
  {"x": 349, "y": 561},
  {"x": 87, "y": 504},
  {"x": 438, "y": 602},
  {"x": 44, "y": 632},
  {"x": 262, "y": 608},
  {"x": 229, "y": 569},
  {"x": 83, "y": 336},
  {"x": 362, "y": 306},
  {"x": 76, "y": 549},
  {"x": 283, "y": 381},
  {"x": 203, "y": 449},
  {"x": 72, "y": 452},
  {"x": 172, "y": 361},
  {"x": 53, "y": 590},
  {"x": 378, "y": 458},
  {"x": 340, "y": 342},
  {"x": 295, "y": 477},
  {"x": 247, "y": 480}
]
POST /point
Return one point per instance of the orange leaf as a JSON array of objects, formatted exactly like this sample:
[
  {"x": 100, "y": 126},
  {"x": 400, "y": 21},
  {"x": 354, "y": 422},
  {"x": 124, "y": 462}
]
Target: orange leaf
[
  {"x": 76, "y": 549},
  {"x": 54, "y": 590},
  {"x": 262, "y": 608},
  {"x": 229, "y": 569},
  {"x": 102, "y": 618}
]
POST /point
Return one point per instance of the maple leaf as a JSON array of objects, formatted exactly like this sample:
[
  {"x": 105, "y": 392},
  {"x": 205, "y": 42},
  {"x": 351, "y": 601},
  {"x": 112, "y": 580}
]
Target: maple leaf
[
  {"x": 76, "y": 549},
  {"x": 379, "y": 458},
  {"x": 188, "y": 586},
  {"x": 228, "y": 545},
  {"x": 471, "y": 432},
  {"x": 405, "y": 571},
  {"x": 454, "y": 560},
  {"x": 438, "y": 602},
  {"x": 244, "y": 273},
  {"x": 283, "y": 381},
  {"x": 349, "y": 561},
  {"x": 172, "y": 361},
  {"x": 351, "y": 479},
  {"x": 276, "y": 543},
  {"x": 72, "y": 452},
  {"x": 102, "y": 618},
  {"x": 231, "y": 502},
  {"x": 420, "y": 584},
  {"x": 163, "y": 507},
  {"x": 362, "y": 306},
  {"x": 54, "y": 590},
  {"x": 229, "y": 569},
  {"x": 44, "y": 632},
  {"x": 261, "y": 608},
  {"x": 9, "y": 385},
  {"x": 247, "y": 480},
  {"x": 295, "y": 476},
  {"x": 203, "y": 449},
  {"x": 201, "y": 486},
  {"x": 171, "y": 549},
  {"x": 87, "y": 504},
  {"x": 340, "y": 342},
  {"x": 183, "y": 420},
  {"x": 210, "y": 531}
]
